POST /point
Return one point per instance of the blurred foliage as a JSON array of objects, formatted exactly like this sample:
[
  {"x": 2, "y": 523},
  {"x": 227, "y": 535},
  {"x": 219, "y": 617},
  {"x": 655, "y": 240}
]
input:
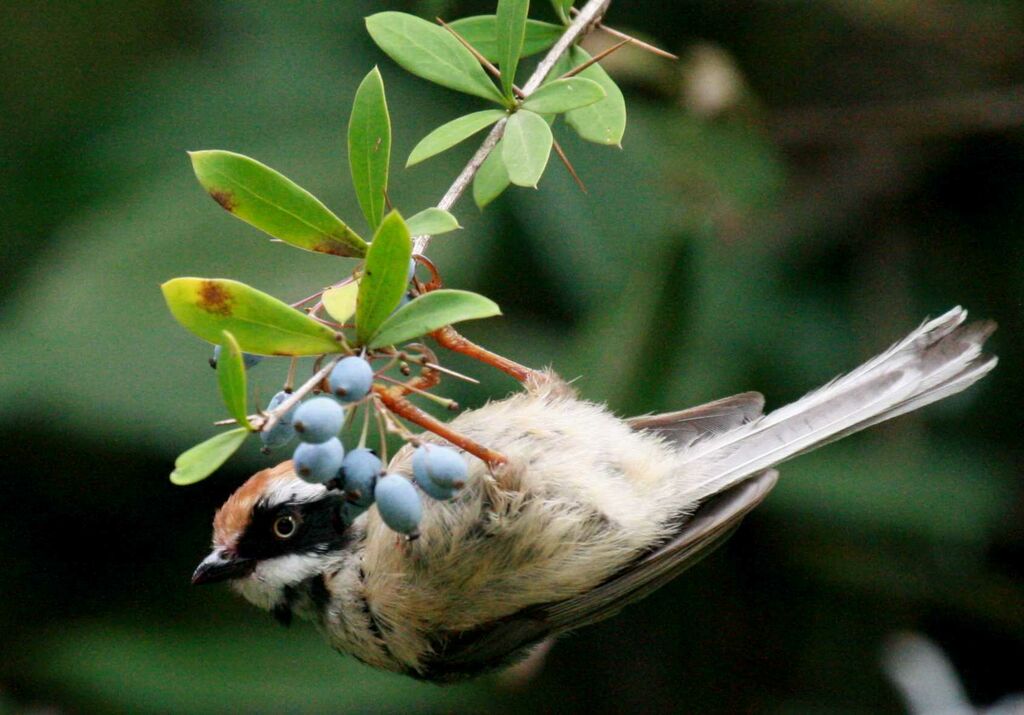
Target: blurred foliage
[{"x": 808, "y": 183}]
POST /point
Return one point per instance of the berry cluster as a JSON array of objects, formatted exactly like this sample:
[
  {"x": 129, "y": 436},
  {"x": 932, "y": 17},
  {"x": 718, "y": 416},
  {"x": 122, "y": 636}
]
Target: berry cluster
[{"x": 320, "y": 456}]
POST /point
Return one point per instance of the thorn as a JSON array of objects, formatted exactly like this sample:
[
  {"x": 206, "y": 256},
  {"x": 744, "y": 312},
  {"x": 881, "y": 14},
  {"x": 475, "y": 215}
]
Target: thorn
[
  {"x": 443, "y": 401},
  {"x": 568, "y": 165},
  {"x": 448, "y": 371},
  {"x": 639, "y": 43},
  {"x": 495, "y": 72},
  {"x": 596, "y": 58}
]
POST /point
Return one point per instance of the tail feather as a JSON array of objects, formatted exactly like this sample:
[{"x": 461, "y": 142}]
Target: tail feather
[{"x": 940, "y": 358}]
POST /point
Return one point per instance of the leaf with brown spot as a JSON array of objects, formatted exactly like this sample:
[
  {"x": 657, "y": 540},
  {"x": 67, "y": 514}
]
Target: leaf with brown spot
[
  {"x": 274, "y": 204},
  {"x": 260, "y": 323},
  {"x": 213, "y": 298}
]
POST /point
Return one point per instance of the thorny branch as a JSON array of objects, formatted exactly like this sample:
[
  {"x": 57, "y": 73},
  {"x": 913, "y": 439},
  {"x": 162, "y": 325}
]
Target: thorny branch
[
  {"x": 584, "y": 21},
  {"x": 587, "y": 18}
]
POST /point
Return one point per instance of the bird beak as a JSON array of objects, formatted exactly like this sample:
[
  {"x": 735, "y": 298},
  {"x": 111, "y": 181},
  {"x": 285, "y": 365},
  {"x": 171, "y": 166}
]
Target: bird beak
[{"x": 218, "y": 567}]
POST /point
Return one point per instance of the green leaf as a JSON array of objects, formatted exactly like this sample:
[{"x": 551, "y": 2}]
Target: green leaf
[
  {"x": 385, "y": 276},
  {"x": 511, "y": 29},
  {"x": 561, "y": 95},
  {"x": 369, "y": 146},
  {"x": 481, "y": 31},
  {"x": 431, "y": 222},
  {"x": 431, "y": 52},
  {"x": 562, "y": 9},
  {"x": 604, "y": 121},
  {"x": 273, "y": 203},
  {"x": 259, "y": 322},
  {"x": 231, "y": 379},
  {"x": 201, "y": 461},
  {"x": 451, "y": 133},
  {"x": 429, "y": 312},
  {"x": 526, "y": 147},
  {"x": 491, "y": 178},
  {"x": 340, "y": 302}
]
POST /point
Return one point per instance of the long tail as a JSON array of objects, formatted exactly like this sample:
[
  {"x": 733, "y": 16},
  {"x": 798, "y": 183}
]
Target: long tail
[{"x": 940, "y": 358}]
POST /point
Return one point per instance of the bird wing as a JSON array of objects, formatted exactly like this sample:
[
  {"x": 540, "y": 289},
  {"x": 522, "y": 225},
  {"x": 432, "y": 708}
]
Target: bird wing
[
  {"x": 468, "y": 653},
  {"x": 685, "y": 427}
]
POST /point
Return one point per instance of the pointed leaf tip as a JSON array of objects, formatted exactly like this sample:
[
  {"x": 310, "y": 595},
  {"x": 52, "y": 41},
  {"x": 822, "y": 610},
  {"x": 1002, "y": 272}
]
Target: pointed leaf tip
[
  {"x": 199, "y": 462},
  {"x": 231, "y": 379},
  {"x": 431, "y": 311},
  {"x": 430, "y": 52},
  {"x": 369, "y": 146},
  {"x": 259, "y": 322},
  {"x": 271, "y": 202},
  {"x": 385, "y": 275}
]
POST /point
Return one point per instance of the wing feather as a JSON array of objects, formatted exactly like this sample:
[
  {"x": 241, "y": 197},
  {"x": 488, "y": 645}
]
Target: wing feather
[{"x": 499, "y": 643}]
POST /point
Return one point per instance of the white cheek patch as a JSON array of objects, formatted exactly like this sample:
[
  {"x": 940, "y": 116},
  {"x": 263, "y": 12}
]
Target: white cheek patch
[{"x": 264, "y": 587}]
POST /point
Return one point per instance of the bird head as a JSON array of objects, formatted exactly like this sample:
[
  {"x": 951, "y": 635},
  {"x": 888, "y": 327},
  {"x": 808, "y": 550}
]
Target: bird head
[{"x": 274, "y": 539}]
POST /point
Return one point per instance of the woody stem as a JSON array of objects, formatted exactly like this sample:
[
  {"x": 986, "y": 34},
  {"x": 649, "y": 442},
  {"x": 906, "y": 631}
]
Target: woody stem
[
  {"x": 447, "y": 337},
  {"x": 392, "y": 399}
]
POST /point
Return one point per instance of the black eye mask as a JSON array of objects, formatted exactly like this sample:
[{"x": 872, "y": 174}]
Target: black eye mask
[{"x": 318, "y": 529}]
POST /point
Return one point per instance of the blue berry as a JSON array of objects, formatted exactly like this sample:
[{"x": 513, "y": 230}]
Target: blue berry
[
  {"x": 282, "y": 431},
  {"x": 399, "y": 504},
  {"x": 319, "y": 462},
  {"x": 360, "y": 469},
  {"x": 318, "y": 420},
  {"x": 441, "y": 465},
  {"x": 432, "y": 489},
  {"x": 248, "y": 359},
  {"x": 351, "y": 379}
]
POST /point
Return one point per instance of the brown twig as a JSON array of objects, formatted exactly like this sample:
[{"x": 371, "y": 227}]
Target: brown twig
[
  {"x": 448, "y": 338},
  {"x": 445, "y": 402},
  {"x": 397, "y": 404}
]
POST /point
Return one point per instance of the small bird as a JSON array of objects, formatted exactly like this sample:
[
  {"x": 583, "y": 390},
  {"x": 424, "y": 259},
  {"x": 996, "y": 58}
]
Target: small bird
[{"x": 590, "y": 513}]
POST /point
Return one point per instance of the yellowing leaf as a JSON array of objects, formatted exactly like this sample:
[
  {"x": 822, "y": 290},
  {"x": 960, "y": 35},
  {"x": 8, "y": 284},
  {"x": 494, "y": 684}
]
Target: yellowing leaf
[
  {"x": 260, "y": 323},
  {"x": 340, "y": 302}
]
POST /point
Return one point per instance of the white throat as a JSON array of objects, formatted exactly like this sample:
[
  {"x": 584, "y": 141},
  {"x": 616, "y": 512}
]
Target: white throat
[{"x": 265, "y": 586}]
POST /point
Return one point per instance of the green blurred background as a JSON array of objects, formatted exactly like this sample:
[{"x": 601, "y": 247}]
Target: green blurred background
[{"x": 802, "y": 188}]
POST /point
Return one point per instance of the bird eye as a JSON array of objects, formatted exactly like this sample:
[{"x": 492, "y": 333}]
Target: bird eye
[{"x": 284, "y": 527}]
